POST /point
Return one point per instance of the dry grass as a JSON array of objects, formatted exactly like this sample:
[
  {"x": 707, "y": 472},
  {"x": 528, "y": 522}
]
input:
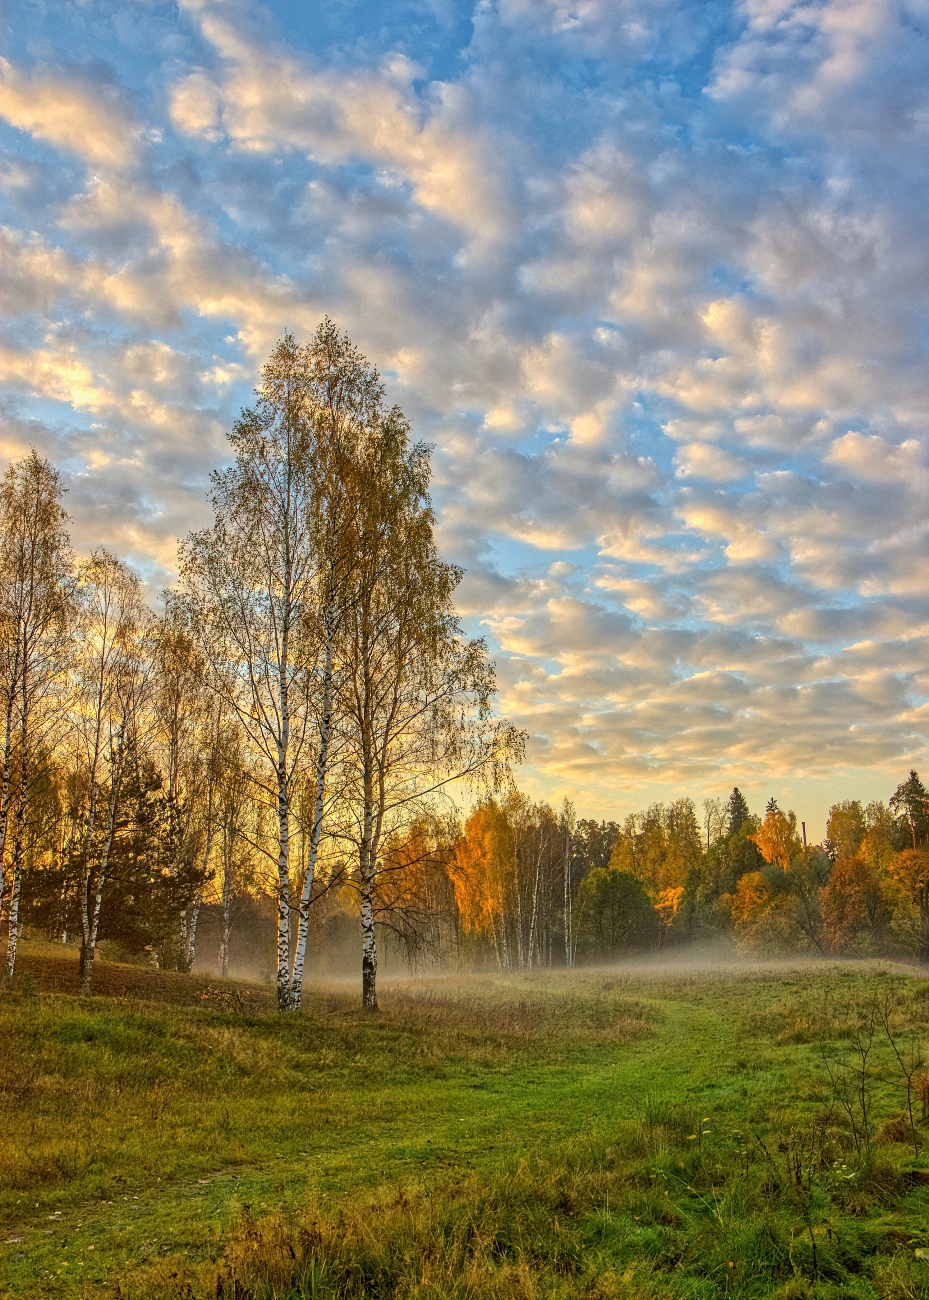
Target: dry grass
[
  {"x": 597, "y": 1136},
  {"x": 43, "y": 972}
]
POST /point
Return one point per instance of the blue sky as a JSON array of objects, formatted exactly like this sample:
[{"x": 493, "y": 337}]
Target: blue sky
[{"x": 651, "y": 277}]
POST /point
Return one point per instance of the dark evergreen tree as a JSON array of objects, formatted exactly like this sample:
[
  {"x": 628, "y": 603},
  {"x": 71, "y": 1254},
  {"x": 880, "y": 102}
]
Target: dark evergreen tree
[
  {"x": 737, "y": 810},
  {"x": 592, "y": 845},
  {"x": 910, "y": 804},
  {"x": 148, "y": 885},
  {"x": 742, "y": 853}
]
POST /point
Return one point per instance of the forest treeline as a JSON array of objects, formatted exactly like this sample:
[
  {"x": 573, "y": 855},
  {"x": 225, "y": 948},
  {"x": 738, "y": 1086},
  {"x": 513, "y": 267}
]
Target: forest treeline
[
  {"x": 535, "y": 887},
  {"x": 291, "y": 730}
]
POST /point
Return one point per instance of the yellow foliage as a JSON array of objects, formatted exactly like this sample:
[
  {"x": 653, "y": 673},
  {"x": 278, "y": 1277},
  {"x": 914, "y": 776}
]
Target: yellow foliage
[
  {"x": 667, "y": 903},
  {"x": 479, "y": 867},
  {"x": 778, "y": 840},
  {"x": 910, "y": 868}
]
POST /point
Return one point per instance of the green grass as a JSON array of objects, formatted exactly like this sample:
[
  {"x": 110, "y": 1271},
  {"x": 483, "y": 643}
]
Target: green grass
[{"x": 600, "y": 1135}]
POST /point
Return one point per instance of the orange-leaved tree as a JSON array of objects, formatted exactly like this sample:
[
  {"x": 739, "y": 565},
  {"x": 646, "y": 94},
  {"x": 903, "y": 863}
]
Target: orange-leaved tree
[
  {"x": 854, "y": 913},
  {"x": 778, "y": 840},
  {"x": 413, "y": 897},
  {"x": 481, "y": 869},
  {"x": 911, "y": 870},
  {"x": 764, "y": 913}
]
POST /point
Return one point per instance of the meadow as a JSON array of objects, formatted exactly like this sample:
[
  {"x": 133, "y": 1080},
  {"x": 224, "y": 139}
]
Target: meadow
[{"x": 610, "y": 1133}]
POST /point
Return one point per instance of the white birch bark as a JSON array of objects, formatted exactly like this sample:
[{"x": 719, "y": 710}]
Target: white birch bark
[
  {"x": 13, "y": 932},
  {"x": 118, "y": 758},
  {"x": 87, "y": 890},
  {"x": 190, "y": 949},
  {"x": 226, "y": 908},
  {"x": 535, "y": 905},
  {"x": 322, "y": 764},
  {"x": 283, "y": 812},
  {"x": 18, "y": 845},
  {"x": 34, "y": 571},
  {"x": 366, "y": 852},
  {"x": 11, "y": 686}
]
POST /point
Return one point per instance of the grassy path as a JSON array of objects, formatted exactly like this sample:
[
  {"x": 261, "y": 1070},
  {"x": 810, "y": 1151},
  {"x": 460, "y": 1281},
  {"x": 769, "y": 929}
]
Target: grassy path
[{"x": 139, "y": 1133}]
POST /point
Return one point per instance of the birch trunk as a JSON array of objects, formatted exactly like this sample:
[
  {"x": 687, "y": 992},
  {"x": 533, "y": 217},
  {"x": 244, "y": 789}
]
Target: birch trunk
[
  {"x": 535, "y": 904},
  {"x": 16, "y": 891},
  {"x": 18, "y": 843},
  {"x": 366, "y": 873},
  {"x": 86, "y": 885},
  {"x": 368, "y": 942},
  {"x": 88, "y": 903},
  {"x": 94, "y": 928},
  {"x": 191, "y": 949},
  {"x": 227, "y": 924},
  {"x": 322, "y": 764},
  {"x": 568, "y": 946},
  {"x": 15, "y": 894},
  {"x": 20, "y": 834},
  {"x": 190, "y": 934},
  {"x": 190, "y": 919},
  {"x": 87, "y": 907},
  {"x": 283, "y": 861},
  {"x": 7, "y": 779},
  {"x": 283, "y": 890}
]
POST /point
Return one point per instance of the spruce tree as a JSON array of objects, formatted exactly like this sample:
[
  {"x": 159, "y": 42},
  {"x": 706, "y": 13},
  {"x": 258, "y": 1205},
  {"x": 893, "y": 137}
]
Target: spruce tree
[
  {"x": 910, "y": 802},
  {"x": 737, "y": 810}
]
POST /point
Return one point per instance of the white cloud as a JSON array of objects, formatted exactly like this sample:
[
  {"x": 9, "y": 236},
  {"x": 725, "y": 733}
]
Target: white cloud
[
  {"x": 704, "y": 460},
  {"x": 71, "y": 110},
  {"x": 195, "y": 106},
  {"x": 268, "y": 101}
]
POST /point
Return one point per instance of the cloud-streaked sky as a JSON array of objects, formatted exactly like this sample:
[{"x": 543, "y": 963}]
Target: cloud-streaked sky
[{"x": 652, "y": 277}]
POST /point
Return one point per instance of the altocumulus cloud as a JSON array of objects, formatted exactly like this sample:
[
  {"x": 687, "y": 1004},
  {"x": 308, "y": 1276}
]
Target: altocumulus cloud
[{"x": 651, "y": 277}]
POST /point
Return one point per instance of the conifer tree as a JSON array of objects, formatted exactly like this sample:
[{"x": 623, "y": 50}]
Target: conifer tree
[
  {"x": 910, "y": 802},
  {"x": 737, "y": 810},
  {"x": 114, "y": 667}
]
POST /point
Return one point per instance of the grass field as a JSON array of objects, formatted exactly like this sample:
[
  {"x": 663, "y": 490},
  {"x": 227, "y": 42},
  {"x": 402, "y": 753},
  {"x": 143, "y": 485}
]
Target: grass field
[{"x": 623, "y": 1133}]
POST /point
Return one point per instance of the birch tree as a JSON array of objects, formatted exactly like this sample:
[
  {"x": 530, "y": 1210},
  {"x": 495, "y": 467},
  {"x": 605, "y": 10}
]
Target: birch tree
[
  {"x": 568, "y": 828},
  {"x": 417, "y": 696},
  {"x": 483, "y": 861},
  {"x": 248, "y": 584},
  {"x": 265, "y": 589},
  {"x": 509, "y": 871},
  {"x": 35, "y": 570},
  {"x": 345, "y": 398}
]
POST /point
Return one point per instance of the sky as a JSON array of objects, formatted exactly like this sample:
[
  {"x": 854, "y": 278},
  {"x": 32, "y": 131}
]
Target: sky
[{"x": 650, "y": 275}]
